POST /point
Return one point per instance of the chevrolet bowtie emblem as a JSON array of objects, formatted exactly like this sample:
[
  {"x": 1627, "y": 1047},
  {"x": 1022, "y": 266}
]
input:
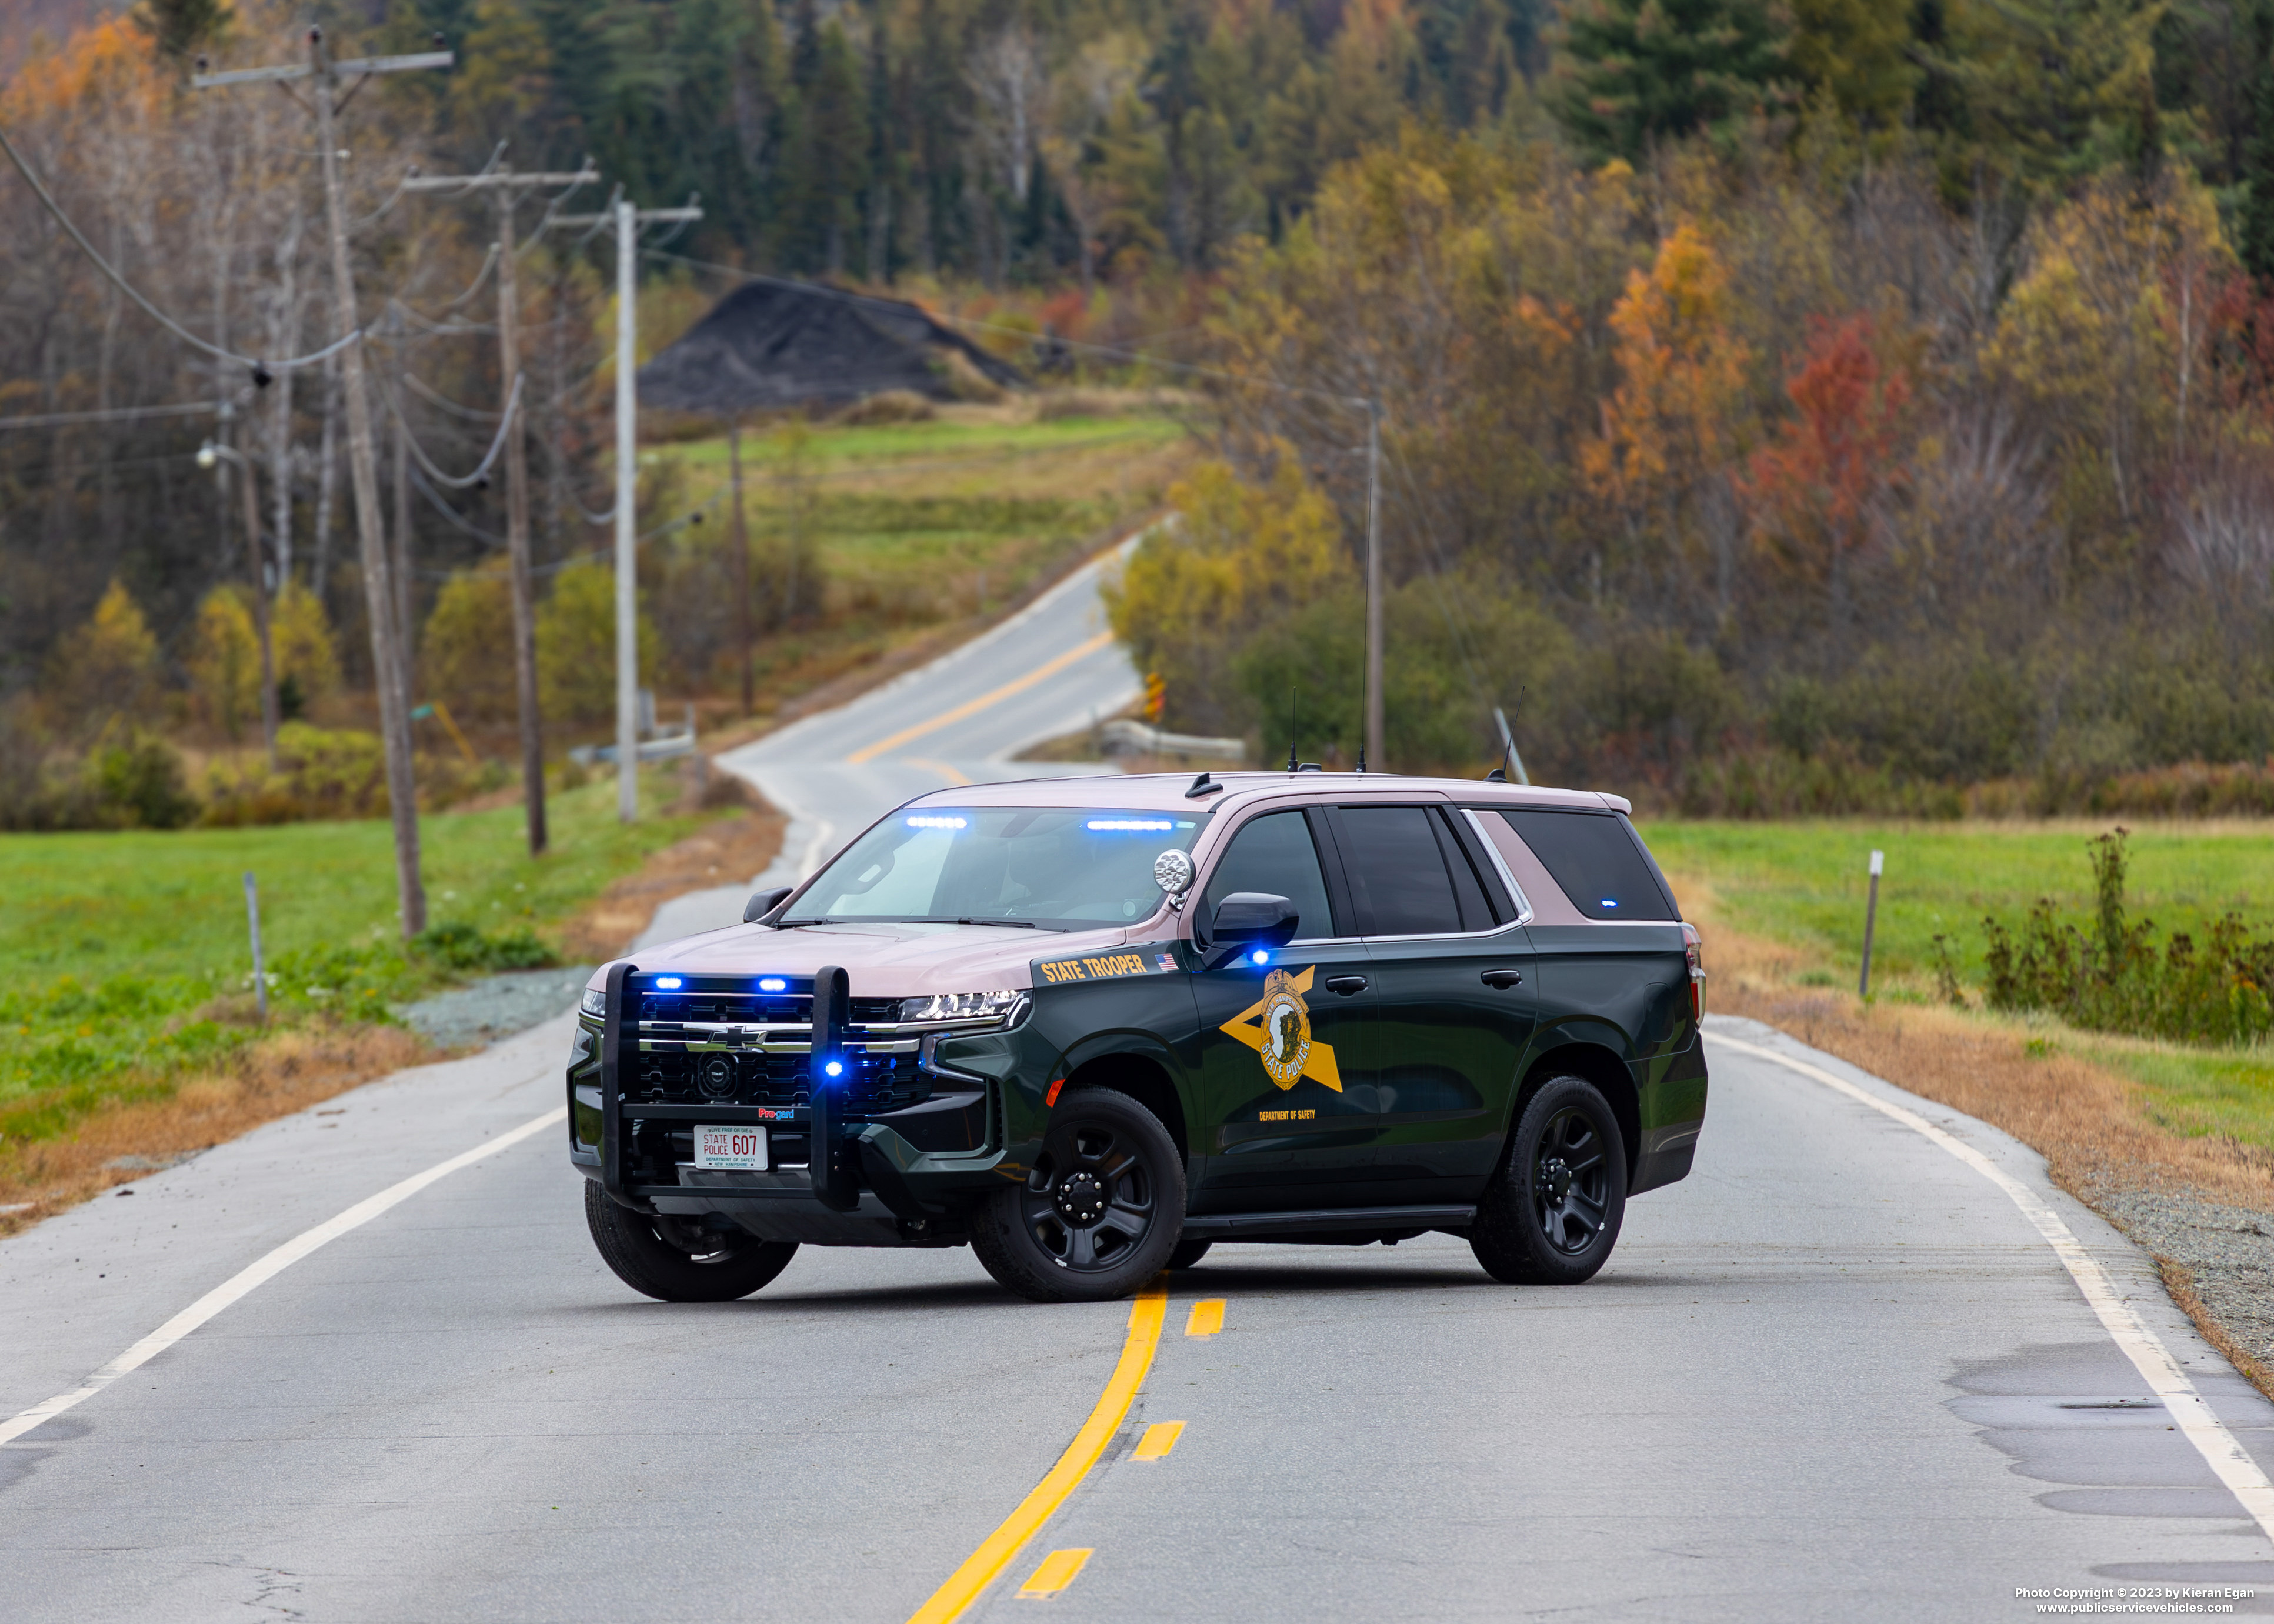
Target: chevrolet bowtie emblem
[{"x": 1277, "y": 1026}]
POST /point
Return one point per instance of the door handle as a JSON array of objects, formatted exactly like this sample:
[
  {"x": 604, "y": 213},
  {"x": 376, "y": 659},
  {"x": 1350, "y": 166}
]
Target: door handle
[
  {"x": 1345, "y": 984},
  {"x": 1496, "y": 978}
]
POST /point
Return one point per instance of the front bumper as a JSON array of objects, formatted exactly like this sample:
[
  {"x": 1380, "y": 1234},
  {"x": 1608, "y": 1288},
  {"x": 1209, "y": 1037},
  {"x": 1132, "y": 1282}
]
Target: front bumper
[{"x": 904, "y": 1174}]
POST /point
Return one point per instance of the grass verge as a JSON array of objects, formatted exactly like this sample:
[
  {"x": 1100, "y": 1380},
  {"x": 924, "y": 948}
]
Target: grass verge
[{"x": 155, "y": 1054}]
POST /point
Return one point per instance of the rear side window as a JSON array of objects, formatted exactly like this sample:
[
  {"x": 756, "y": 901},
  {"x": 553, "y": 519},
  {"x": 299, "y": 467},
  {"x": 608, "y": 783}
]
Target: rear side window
[
  {"x": 1596, "y": 859},
  {"x": 1397, "y": 872},
  {"x": 1275, "y": 854}
]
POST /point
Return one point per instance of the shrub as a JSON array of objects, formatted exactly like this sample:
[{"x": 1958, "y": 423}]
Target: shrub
[
  {"x": 2109, "y": 976},
  {"x": 458, "y": 945},
  {"x": 138, "y": 781},
  {"x": 888, "y": 406}
]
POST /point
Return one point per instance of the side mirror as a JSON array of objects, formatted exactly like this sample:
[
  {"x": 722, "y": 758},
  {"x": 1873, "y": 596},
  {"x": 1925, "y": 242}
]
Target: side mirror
[
  {"x": 1252, "y": 919},
  {"x": 764, "y": 902}
]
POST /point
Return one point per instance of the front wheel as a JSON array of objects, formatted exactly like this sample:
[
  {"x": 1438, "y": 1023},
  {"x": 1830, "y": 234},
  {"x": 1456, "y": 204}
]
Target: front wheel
[
  {"x": 1553, "y": 1212},
  {"x": 673, "y": 1261},
  {"x": 1097, "y": 1215}
]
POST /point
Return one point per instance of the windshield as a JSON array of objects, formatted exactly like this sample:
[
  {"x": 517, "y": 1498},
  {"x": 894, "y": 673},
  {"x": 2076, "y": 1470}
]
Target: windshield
[{"x": 1052, "y": 868}]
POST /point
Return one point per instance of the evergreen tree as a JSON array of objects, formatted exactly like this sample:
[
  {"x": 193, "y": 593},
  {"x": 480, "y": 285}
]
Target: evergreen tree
[
  {"x": 1637, "y": 72},
  {"x": 1858, "y": 51},
  {"x": 2254, "y": 227},
  {"x": 178, "y": 29}
]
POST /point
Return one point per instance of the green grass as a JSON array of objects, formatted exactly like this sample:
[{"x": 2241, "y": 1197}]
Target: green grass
[
  {"x": 120, "y": 953},
  {"x": 1805, "y": 884},
  {"x": 832, "y": 447},
  {"x": 914, "y": 526}
]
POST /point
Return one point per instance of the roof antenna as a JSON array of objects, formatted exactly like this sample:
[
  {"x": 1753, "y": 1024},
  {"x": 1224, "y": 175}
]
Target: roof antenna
[
  {"x": 1291, "y": 727},
  {"x": 1508, "y": 755}
]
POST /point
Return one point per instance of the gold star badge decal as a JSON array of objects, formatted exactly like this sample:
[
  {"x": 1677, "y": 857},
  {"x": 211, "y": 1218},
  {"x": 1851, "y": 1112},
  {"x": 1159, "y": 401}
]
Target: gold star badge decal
[{"x": 1277, "y": 1026}]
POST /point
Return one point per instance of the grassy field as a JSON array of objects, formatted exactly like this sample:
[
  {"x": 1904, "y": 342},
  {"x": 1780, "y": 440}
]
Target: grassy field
[
  {"x": 123, "y": 956},
  {"x": 1804, "y": 885},
  {"x": 923, "y": 530}
]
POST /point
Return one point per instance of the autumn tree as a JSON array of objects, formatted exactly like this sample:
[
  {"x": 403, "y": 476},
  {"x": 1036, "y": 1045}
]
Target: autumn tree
[{"x": 1814, "y": 485}]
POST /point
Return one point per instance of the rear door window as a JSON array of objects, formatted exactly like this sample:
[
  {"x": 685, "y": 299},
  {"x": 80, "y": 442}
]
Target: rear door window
[
  {"x": 1275, "y": 854},
  {"x": 1397, "y": 873},
  {"x": 1596, "y": 859}
]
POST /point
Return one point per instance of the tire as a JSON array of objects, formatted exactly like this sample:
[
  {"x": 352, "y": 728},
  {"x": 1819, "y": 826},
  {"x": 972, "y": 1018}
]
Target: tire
[
  {"x": 1185, "y": 1254},
  {"x": 664, "y": 1259},
  {"x": 1553, "y": 1212},
  {"x": 1097, "y": 1214}
]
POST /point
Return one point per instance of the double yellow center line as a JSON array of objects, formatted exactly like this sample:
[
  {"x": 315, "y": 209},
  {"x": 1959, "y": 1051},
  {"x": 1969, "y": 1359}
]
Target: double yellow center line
[
  {"x": 972, "y": 707},
  {"x": 1147, "y": 1317}
]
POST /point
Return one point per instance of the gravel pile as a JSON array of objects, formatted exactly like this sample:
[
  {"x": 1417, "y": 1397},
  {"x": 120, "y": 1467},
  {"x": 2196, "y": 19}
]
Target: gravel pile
[
  {"x": 2228, "y": 1250},
  {"x": 496, "y": 1007}
]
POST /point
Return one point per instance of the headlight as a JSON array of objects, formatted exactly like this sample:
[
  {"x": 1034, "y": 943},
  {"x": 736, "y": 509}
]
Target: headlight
[
  {"x": 595, "y": 1003},
  {"x": 959, "y": 1006}
]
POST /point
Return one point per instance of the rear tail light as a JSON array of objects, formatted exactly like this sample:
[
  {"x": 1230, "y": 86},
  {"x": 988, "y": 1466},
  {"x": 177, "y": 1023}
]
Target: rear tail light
[{"x": 1692, "y": 943}]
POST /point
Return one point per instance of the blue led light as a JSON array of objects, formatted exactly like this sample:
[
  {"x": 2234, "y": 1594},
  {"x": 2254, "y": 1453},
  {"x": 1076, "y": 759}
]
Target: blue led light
[
  {"x": 1124, "y": 825},
  {"x": 1610, "y": 902},
  {"x": 773, "y": 984},
  {"x": 1260, "y": 957},
  {"x": 669, "y": 983},
  {"x": 835, "y": 1068},
  {"x": 935, "y": 821}
]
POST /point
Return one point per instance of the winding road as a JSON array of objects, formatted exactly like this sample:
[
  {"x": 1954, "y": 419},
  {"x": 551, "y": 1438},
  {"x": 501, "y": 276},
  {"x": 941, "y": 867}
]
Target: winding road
[{"x": 1865, "y": 1363}]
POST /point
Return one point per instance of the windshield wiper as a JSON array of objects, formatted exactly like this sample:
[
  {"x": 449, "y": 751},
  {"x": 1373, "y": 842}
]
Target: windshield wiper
[{"x": 1012, "y": 924}]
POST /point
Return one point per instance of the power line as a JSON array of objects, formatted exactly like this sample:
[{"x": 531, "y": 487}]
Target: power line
[
  {"x": 480, "y": 475},
  {"x": 117, "y": 414},
  {"x": 260, "y": 367}
]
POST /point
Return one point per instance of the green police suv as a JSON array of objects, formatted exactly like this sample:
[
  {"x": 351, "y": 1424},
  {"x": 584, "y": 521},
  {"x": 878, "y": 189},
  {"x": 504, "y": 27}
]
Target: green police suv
[{"x": 1095, "y": 1026}]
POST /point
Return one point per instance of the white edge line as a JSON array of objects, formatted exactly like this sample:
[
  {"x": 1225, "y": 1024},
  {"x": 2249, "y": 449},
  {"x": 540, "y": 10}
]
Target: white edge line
[
  {"x": 254, "y": 1275},
  {"x": 2190, "y": 1412}
]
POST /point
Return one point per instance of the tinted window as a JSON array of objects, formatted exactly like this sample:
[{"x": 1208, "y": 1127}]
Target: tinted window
[
  {"x": 1476, "y": 914},
  {"x": 1397, "y": 873},
  {"x": 1597, "y": 859},
  {"x": 1274, "y": 855}
]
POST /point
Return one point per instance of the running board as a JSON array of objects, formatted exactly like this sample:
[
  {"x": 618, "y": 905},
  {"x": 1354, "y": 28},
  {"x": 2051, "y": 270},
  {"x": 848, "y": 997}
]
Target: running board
[{"x": 1240, "y": 1226}]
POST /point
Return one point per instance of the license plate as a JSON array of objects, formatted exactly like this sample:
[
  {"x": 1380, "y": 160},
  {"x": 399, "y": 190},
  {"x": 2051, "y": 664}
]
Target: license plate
[{"x": 742, "y": 1150}]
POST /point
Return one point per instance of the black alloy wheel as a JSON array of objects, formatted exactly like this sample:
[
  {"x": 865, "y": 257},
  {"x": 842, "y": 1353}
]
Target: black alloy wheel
[
  {"x": 676, "y": 1259},
  {"x": 1099, "y": 1211},
  {"x": 1570, "y": 1182},
  {"x": 1551, "y": 1215}
]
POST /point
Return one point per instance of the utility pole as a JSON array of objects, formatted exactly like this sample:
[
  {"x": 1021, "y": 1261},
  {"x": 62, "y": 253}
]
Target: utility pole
[
  {"x": 1374, "y": 710},
  {"x": 627, "y": 222},
  {"x": 742, "y": 555},
  {"x": 507, "y": 186},
  {"x": 323, "y": 76}
]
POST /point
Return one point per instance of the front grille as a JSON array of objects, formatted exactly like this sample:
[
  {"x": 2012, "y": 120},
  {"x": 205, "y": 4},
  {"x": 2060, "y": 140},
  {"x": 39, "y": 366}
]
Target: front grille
[{"x": 705, "y": 1046}]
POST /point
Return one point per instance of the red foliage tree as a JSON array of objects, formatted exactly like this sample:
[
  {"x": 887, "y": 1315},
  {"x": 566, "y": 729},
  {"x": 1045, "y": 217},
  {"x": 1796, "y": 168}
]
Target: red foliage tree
[{"x": 1812, "y": 488}]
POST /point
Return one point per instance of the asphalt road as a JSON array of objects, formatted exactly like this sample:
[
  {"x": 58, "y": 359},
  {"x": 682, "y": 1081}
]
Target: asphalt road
[
  {"x": 1047, "y": 671},
  {"x": 1838, "y": 1372},
  {"x": 1834, "y": 1374}
]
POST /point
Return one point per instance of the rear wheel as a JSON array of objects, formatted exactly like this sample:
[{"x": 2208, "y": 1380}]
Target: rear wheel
[
  {"x": 672, "y": 1261},
  {"x": 1097, "y": 1214},
  {"x": 1187, "y": 1253},
  {"x": 1551, "y": 1215}
]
